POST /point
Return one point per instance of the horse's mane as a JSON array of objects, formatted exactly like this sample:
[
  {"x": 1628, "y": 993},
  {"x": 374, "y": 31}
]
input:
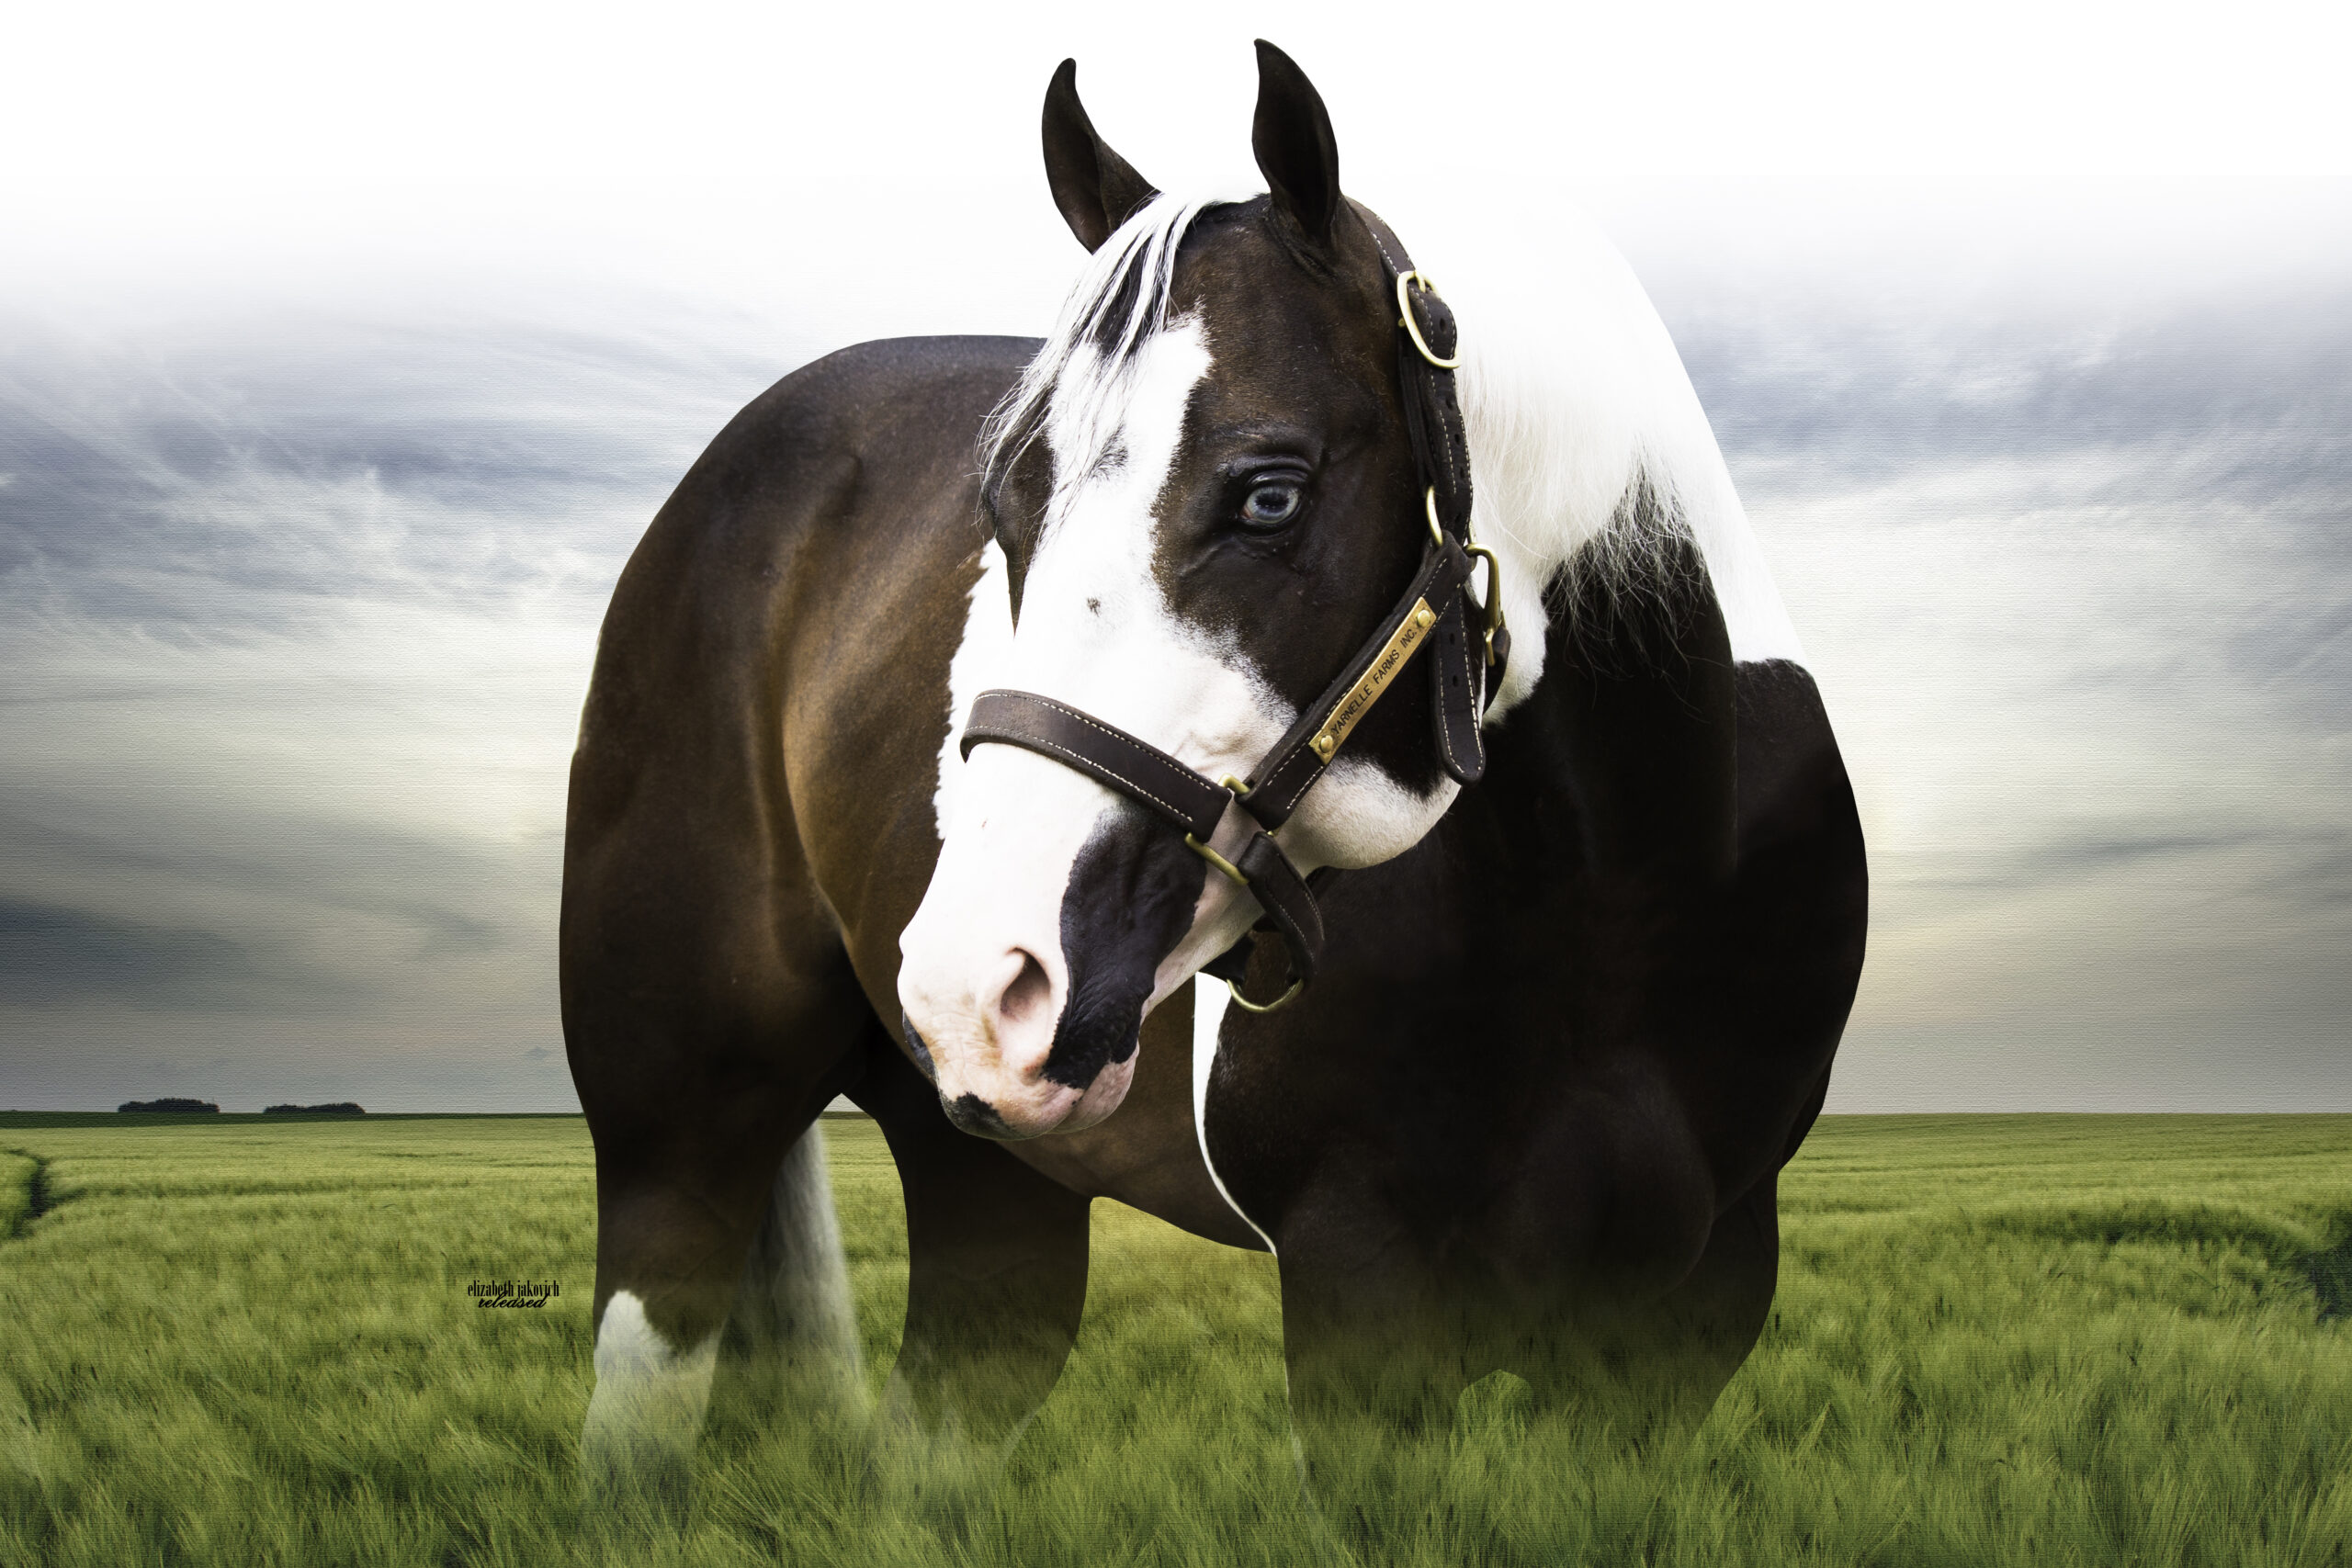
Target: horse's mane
[{"x": 1591, "y": 456}]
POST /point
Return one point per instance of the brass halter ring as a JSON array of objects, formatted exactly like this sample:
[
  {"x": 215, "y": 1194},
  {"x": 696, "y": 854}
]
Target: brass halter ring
[
  {"x": 1404, "y": 318},
  {"x": 1231, "y": 872},
  {"x": 1275, "y": 1005}
]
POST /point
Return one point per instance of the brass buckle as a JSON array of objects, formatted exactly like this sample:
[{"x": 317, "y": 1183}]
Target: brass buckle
[
  {"x": 1491, "y": 613},
  {"x": 1240, "y": 790},
  {"x": 1405, "y": 319},
  {"x": 1275, "y": 1005},
  {"x": 1232, "y": 872}
]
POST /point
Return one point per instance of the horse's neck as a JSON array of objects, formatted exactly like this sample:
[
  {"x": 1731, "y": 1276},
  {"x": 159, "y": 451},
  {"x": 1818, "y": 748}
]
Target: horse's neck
[{"x": 1630, "y": 733}]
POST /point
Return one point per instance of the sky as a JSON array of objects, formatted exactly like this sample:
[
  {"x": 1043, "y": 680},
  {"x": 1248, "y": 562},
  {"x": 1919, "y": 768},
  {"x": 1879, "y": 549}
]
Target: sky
[{"x": 345, "y": 353}]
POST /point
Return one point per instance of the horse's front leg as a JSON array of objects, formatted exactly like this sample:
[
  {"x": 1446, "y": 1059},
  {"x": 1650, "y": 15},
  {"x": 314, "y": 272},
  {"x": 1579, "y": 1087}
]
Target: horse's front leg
[
  {"x": 672, "y": 1242},
  {"x": 996, "y": 1284},
  {"x": 1377, "y": 1361},
  {"x": 712, "y": 1205},
  {"x": 1637, "y": 1373}
]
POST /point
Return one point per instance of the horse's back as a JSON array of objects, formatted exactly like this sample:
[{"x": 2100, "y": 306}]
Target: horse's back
[
  {"x": 1803, "y": 869},
  {"x": 1794, "y": 928}
]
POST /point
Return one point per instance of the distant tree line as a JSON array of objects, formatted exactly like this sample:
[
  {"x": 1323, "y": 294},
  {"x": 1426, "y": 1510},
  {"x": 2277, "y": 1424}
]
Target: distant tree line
[{"x": 205, "y": 1107}]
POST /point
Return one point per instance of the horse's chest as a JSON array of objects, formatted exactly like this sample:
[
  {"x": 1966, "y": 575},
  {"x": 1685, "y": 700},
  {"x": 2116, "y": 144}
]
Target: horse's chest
[{"x": 1543, "y": 1176}]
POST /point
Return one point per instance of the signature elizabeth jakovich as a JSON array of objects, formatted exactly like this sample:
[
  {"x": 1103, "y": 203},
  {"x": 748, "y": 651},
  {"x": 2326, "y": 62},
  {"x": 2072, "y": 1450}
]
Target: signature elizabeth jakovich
[{"x": 530, "y": 1293}]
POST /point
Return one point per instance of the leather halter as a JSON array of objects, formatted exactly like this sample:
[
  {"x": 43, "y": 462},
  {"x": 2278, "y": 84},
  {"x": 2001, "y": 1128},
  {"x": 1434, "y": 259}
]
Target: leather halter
[{"x": 1433, "y": 610}]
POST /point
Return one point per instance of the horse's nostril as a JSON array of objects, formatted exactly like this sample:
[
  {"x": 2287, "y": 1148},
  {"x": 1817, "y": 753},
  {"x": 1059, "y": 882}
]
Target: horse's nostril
[{"x": 1029, "y": 994}]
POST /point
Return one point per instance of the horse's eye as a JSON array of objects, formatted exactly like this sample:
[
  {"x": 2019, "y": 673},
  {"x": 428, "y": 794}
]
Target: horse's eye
[{"x": 1271, "y": 503}]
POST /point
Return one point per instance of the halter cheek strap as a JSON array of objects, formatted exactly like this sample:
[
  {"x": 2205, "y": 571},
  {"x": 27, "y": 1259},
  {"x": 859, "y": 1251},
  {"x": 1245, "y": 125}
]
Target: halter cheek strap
[
  {"x": 1187, "y": 801},
  {"x": 1433, "y": 612}
]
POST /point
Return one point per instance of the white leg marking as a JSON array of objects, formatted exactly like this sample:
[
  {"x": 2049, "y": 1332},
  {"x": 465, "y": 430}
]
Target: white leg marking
[
  {"x": 648, "y": 1403},
  {"x": 796, "y": 1300},
  {"x": 1210, "y": 998}
]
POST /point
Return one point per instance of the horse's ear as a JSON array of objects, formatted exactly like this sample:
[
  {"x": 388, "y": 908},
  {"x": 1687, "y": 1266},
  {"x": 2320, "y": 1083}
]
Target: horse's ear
[
  {"x": 1095, "y": 187},
  {"x": 1292, "y": 136}
]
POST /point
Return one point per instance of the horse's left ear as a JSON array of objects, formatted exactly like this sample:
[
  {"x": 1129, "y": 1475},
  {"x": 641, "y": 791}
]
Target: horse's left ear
[
  {"x": 1292, "y": 136},
  {"x": 1096, "y": 189}
]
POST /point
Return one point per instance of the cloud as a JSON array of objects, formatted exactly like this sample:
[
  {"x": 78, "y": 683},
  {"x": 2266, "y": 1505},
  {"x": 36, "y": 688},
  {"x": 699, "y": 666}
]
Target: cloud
[
  {"x": 298, "y": 614},
  {"x": 53, "y": 956},
  {"x": 2078, "y": 583},
  {"x": 259, "y": 479},
  {"x": 2243, "y": 402}
]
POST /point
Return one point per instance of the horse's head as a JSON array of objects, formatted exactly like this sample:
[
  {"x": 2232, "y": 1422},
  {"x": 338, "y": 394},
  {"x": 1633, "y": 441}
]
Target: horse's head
[{"x": 1206, "y": 499}]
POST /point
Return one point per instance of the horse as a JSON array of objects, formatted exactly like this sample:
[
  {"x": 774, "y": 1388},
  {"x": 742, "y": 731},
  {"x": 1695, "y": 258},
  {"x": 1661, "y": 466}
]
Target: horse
[{"x": 1311, "y": 751}]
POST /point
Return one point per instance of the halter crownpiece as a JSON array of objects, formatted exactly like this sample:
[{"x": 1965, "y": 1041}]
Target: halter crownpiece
[{"x": 1433, "y": 610}]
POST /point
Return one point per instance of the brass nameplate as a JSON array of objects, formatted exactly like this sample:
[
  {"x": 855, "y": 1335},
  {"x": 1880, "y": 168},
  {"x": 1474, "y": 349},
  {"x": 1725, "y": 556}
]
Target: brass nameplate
[{"x": 1409, "y": 634}]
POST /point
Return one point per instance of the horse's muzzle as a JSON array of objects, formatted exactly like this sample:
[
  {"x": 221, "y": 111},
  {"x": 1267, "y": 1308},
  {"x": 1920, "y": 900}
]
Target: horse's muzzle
[{"x": 1027, "y": 997}]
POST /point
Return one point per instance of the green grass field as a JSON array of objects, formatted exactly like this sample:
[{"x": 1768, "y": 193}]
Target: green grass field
[{"x": 2046, "y": 1340}]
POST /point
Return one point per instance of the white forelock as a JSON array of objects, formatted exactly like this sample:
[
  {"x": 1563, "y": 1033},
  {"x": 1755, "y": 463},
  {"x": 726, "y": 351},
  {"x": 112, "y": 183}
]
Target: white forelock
[{"x": 1081, "y": 374}]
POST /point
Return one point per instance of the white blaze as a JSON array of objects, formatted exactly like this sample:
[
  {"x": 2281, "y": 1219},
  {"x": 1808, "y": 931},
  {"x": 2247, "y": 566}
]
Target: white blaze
[{"x": 1096, "y": 633}]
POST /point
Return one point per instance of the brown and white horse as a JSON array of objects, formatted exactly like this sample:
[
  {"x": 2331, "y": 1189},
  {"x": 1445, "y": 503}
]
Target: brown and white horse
[{"x": 1568, "y": 1021}]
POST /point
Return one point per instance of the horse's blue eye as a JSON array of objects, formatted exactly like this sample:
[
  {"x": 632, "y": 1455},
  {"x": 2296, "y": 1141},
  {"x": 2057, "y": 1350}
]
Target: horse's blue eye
[{"x": 1272, "y": 504}]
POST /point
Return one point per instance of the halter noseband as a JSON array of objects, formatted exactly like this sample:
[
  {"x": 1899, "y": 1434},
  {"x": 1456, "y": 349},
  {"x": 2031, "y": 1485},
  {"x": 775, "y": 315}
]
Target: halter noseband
[{"x": 1434, "y": 610}]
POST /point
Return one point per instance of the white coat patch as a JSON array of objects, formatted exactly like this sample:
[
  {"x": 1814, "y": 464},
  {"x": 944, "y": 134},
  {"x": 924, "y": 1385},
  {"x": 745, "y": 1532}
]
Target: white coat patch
[{"x": 1210, "y": 998}]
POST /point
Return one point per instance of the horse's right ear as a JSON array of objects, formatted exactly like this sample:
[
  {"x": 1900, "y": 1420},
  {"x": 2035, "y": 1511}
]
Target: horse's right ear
[
  {"x": 1292, "y": 136},
  {"x": 1095, "y": 187}
]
